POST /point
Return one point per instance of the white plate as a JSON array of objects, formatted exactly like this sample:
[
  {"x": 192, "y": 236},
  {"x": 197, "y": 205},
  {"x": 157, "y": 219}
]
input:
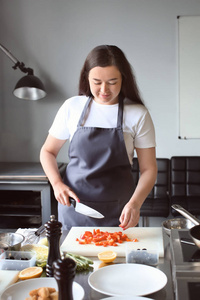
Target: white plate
[
  {"x": 127, "y": 298},
  {"x": 127, "y": 280},
  {"x": 20, "y": 290}
]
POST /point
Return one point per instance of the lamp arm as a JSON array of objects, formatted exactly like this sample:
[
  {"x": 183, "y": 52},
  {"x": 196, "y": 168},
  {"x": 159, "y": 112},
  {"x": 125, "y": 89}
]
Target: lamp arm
[{"x": 18, "y": 64}]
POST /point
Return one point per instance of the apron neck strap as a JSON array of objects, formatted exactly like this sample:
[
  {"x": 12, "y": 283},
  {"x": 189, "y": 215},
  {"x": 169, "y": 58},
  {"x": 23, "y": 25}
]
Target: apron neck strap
[
  {"x": 119, "y": 118},
  {"x": 120, "y": 112},
  {"x": 81, "y": 120}
]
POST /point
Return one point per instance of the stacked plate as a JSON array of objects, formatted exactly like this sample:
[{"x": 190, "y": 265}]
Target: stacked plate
[{"x": 127, "y": 280}]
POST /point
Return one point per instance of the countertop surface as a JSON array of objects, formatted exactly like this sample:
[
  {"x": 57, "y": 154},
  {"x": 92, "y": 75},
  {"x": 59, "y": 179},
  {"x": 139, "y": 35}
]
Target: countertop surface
[
  {"x": 166, "y": 293},
  {"x": 164, "y": 265},
  {"x": 24, "y": 171}
]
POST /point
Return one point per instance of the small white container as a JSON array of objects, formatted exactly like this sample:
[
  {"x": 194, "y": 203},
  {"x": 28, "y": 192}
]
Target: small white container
[
  {"x": 141, "y": 256},
  {"x": 17, "y": 260}
]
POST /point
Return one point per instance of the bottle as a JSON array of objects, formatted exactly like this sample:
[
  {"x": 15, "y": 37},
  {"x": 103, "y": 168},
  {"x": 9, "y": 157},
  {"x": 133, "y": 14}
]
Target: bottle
[
  {"x": 64, "y": 273},
  {"x": 53, "y": 233}
]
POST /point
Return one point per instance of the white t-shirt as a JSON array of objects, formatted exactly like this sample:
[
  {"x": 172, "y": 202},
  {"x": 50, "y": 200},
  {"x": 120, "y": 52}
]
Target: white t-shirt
[{"x": 138, "y": 127}]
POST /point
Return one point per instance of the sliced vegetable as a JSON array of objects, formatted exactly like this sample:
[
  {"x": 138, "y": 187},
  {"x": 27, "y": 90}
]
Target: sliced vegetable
[
  {"x": 103, "y": 238},
  {"x": 41, "y": 253},
  {"x": 82, "y": 263}
]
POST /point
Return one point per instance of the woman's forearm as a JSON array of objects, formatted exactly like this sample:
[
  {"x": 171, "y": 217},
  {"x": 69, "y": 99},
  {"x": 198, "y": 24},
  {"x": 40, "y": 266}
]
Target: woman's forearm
[
  {"x": 148, "y": 169},
  {"x": 48, "y": 155},
  {"x": 148, "y": 174},
  {"x": 50, "y": 166},
  {"x": 144, "y": 187}
]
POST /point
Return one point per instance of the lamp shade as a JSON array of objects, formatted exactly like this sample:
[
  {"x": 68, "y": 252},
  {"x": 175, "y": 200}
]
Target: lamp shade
[{"x": 29, "y": 87}]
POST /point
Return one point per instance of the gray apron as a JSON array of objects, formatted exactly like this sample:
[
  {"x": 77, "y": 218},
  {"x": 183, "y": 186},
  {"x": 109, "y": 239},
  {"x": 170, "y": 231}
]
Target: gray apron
[{"x": 99, "y": 172}]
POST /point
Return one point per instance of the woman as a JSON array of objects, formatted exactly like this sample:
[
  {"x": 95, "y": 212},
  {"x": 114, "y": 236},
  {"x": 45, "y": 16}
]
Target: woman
[{"x": 104, "y": 125}]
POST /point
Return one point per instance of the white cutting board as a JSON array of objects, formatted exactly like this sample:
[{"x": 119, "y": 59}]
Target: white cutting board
[
  {"x": 7, "y": 278},
  {"x": 150, "y": 238}
]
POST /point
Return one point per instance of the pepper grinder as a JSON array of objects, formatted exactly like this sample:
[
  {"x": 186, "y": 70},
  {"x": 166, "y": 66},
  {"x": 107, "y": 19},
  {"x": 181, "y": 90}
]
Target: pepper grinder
[
  {"x": 53, "y": 233},
  {"x": 64, "y": 273}
]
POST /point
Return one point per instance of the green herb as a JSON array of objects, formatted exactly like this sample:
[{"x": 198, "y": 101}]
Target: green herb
[{"x": 82, "y": 263}]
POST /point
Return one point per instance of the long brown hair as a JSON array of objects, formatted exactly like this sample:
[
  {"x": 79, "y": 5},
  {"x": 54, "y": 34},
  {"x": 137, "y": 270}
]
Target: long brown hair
[{"x": 108, "y": 55}]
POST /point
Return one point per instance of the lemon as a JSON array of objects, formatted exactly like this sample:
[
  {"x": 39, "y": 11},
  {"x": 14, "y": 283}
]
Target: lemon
[
  {"x": 44, "y": 242},
  {"x": 107, "y": 256},
  {"x": 103, "y": 264},
  {"x": 31, "y": 272}
]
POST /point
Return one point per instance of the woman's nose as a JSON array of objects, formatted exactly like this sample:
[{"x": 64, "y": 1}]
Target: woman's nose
[{"x": 104, "y": 87}]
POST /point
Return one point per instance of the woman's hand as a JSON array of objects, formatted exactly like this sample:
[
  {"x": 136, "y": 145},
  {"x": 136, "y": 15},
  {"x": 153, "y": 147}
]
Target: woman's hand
[
  {"x": 130, "y": 216},
  {"x": 62, "y": 193},
  {"x": 48, "y": 155}
]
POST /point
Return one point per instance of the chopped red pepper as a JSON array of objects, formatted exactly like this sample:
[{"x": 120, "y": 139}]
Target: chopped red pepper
[{"x": 104, "y": 238}]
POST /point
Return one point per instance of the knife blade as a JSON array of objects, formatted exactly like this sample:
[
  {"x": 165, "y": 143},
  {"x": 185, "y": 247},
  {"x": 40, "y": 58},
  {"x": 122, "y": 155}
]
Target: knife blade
[{"x": 85, "y": 210}]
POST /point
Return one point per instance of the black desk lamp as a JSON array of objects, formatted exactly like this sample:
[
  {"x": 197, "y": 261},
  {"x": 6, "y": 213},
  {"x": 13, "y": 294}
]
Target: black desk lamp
[{"x": 28, "y": 87}]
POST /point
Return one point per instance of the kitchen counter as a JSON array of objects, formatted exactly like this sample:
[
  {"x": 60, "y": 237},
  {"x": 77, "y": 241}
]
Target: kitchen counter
[
  {"x": 164, "y": 265},
  {"x": 15, "y": 172},
  {"x": 26, "y": 197}
]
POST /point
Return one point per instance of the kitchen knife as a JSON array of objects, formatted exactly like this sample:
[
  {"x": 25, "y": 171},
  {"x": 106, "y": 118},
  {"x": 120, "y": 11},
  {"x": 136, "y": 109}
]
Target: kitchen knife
[{"x": 85, "y": 210}]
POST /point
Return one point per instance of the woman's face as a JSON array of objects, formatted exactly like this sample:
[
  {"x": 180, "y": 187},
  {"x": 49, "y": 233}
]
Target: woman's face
[{"x": 105, "y": 84}]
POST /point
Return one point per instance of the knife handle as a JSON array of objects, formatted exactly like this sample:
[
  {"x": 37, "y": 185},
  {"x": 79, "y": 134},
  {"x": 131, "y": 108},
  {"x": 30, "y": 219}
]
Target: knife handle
[{"x": 72, "y": 201}]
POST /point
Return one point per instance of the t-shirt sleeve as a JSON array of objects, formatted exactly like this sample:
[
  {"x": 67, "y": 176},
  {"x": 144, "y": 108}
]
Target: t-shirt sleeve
[
  {"x": 59, "y": 128},
  {"x": 145, "y": 135}
]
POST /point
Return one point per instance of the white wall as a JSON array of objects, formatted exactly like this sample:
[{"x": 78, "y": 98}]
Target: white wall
[{"x": 54, "y": 37}]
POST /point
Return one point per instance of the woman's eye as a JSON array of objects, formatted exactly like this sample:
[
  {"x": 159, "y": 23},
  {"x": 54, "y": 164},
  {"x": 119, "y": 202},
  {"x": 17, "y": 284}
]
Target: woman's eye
[{"x": 109, "y": 83}]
